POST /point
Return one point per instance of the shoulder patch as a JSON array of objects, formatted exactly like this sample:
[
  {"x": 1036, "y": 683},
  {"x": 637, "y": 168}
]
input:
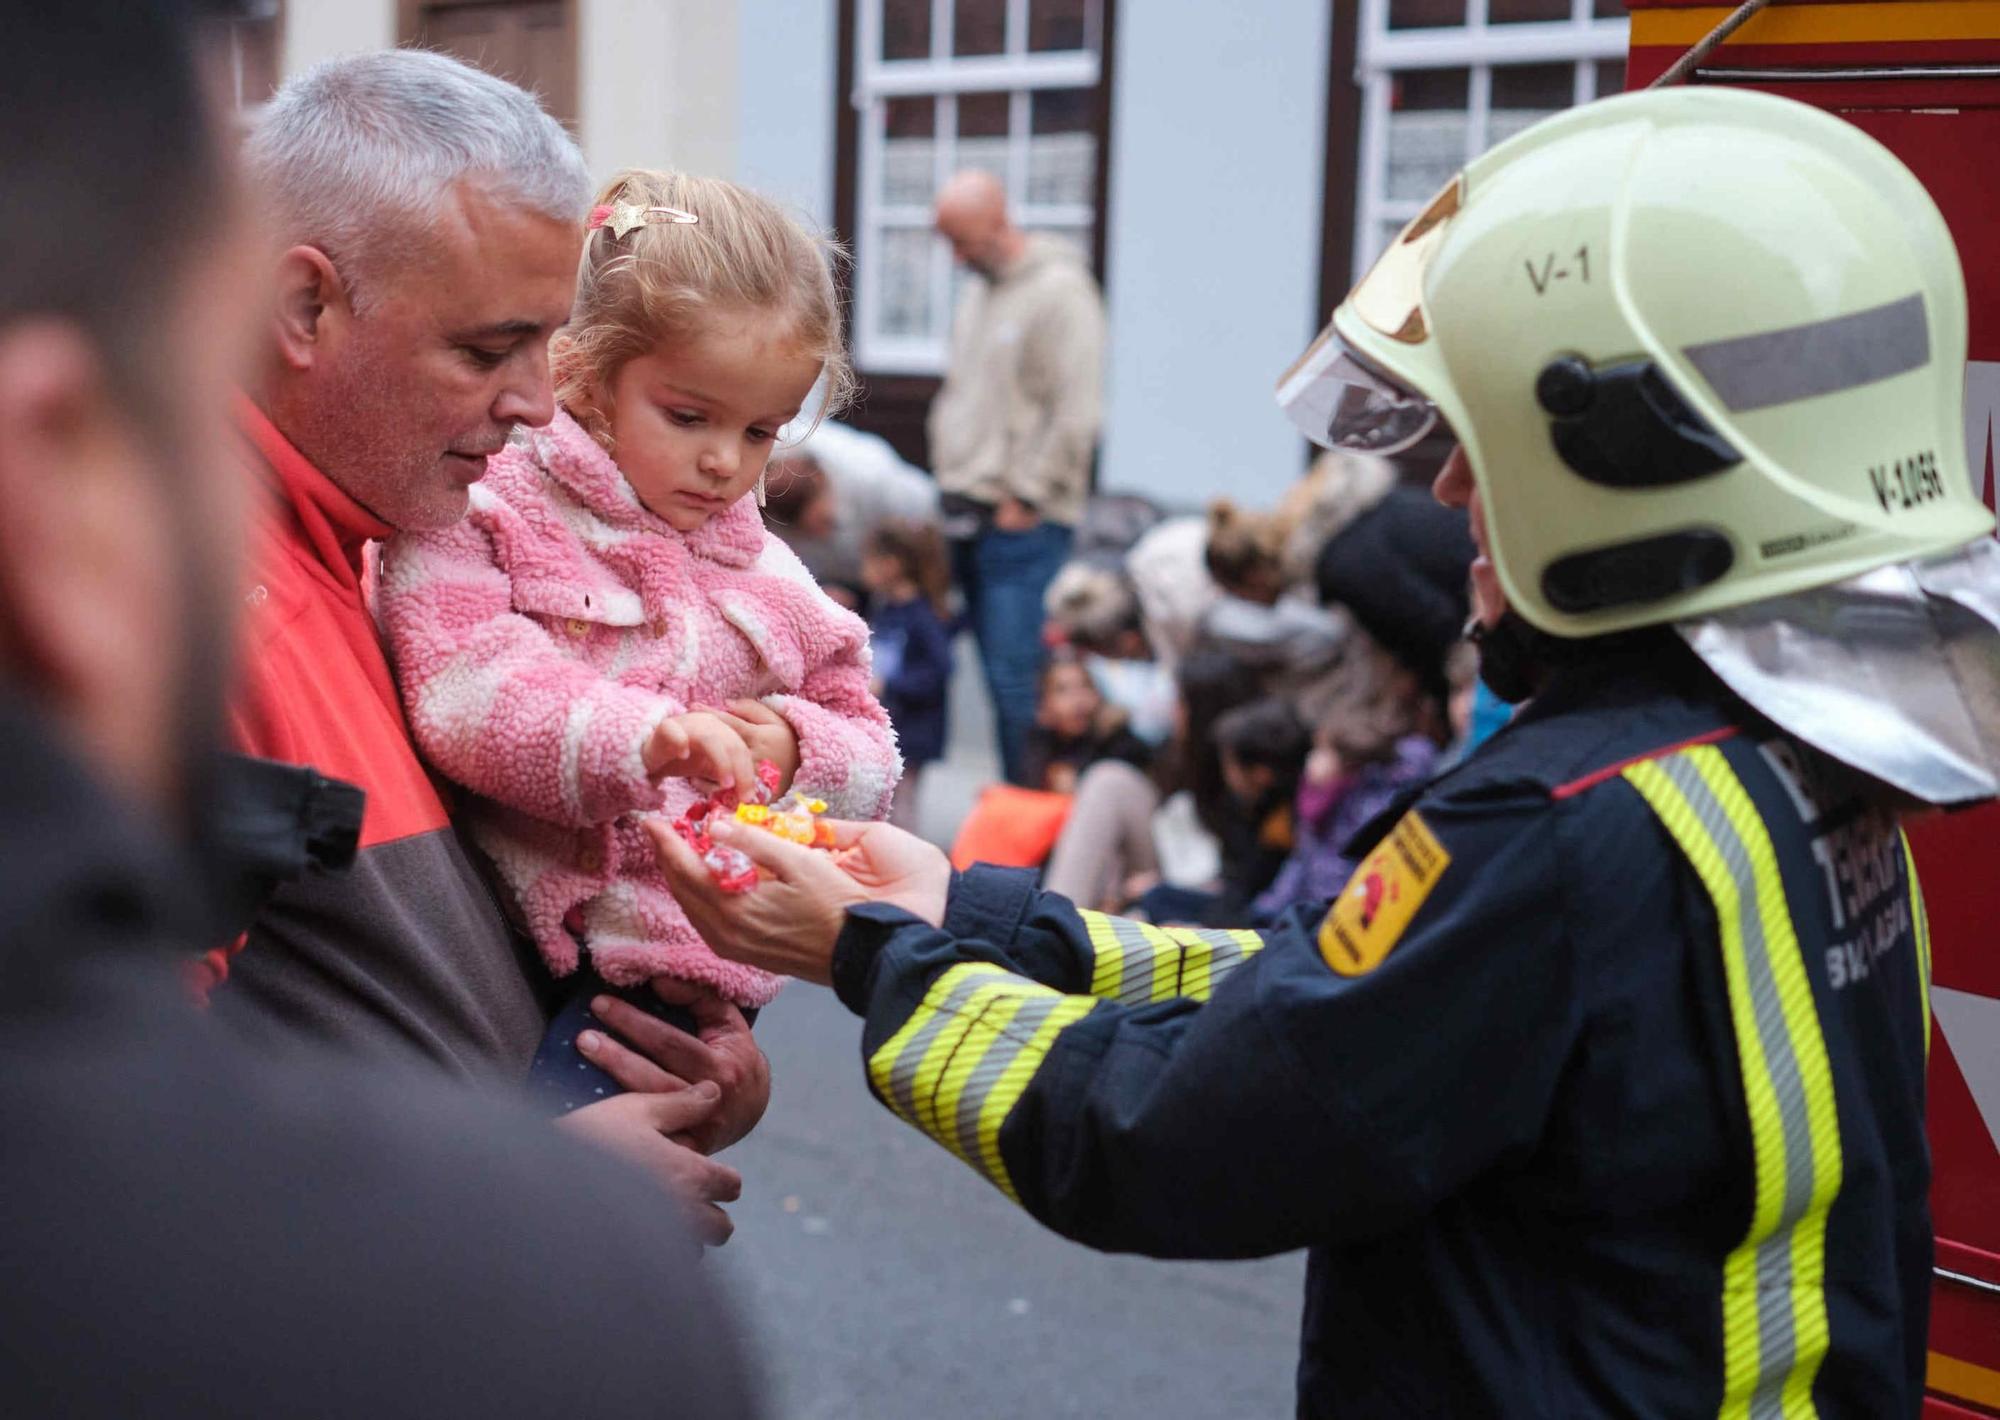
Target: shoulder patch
[{"x": 1369, "y": 916}]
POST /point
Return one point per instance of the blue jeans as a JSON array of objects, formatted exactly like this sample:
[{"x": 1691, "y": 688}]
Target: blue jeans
[{"x": 1004, "y": 576}]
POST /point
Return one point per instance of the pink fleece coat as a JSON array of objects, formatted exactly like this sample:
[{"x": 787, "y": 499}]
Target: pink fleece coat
[{"x": 540, "y": 640}]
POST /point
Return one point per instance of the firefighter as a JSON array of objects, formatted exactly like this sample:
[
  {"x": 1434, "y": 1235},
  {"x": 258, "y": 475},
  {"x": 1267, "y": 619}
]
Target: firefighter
[{"x": 1600, "y": 1088}]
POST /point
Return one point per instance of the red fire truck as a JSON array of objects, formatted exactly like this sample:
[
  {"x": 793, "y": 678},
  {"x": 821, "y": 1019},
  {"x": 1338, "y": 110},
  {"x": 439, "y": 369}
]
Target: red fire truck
[{"x": 1923, "y": 76}]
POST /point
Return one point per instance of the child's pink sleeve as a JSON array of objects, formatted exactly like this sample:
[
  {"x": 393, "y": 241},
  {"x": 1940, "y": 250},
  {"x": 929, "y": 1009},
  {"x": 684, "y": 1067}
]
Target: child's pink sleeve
[
  {"x": 847, "y": 751},
  {"x": 495, "y": 704}
]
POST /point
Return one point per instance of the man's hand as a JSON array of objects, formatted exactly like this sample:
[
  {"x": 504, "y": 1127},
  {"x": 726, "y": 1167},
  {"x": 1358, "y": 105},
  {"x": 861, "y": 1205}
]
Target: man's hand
[
  {"x": 703, "y": 746},
  {"x": 769, "y": 735},
  {"x": 721, "y": 1052},
  {"x": 790, "y": 921},
  {"x": 1014, "y": 516},
  {"x": 652, "y": 1130}
]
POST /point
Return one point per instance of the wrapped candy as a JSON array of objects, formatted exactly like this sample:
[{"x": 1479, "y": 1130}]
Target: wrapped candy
[{"x": 795, "y": 818}]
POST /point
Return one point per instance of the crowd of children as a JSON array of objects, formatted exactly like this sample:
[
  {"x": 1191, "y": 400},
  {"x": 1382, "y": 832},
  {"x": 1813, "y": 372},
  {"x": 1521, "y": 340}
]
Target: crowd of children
[{"x": 1303, "y": 667}]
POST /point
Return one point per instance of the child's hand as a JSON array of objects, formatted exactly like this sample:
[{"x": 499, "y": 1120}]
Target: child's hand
[
  {"x": 702, "y": 746},
  {"x": 769, "y": 735}
]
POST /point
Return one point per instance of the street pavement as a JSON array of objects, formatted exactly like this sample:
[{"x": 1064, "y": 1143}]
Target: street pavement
[{"x": 881, "y": 1279}]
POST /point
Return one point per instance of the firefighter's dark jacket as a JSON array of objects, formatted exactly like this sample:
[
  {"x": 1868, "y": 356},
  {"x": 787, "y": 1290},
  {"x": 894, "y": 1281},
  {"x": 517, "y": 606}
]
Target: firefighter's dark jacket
[{"x": 1599, "y": 1090}]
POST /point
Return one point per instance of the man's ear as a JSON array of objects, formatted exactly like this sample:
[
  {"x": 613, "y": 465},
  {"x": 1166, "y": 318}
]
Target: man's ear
[{"x": 312, "y": 304}]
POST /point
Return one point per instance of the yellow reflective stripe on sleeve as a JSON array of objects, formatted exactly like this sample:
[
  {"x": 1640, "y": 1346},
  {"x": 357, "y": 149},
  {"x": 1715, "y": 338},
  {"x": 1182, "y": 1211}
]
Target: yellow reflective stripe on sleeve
[
  {"x": 1134, "y": 963},
  {"x": 965, "y": 1057},
  {"x": 1920, "y": 924},
  {"x": 1774, "y": 1325}
]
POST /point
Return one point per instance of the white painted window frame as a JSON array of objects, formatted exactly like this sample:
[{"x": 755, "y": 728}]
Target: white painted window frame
[
  {"x": 1016, "y": 72},
  {"x": 1478, "y": 47}
]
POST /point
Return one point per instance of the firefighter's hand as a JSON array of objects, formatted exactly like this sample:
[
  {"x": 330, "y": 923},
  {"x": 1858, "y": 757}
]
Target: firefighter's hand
[{"x": 791, "y": 919}]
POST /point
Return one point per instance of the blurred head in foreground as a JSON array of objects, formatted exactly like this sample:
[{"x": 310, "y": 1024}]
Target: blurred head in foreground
[{"x": 123, "y": 320}]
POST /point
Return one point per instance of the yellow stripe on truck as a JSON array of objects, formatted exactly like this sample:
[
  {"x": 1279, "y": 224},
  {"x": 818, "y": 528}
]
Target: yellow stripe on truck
[
  {"x": 1874, "y": 21},
  {"x": 1963, "y": 1380}
]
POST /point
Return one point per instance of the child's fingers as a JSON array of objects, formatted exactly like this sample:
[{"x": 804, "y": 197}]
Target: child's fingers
[
  {"x": 738, "y": 730},
  {"x": 730, "y": 756},
  {"x": 665, "y": 747},
  {"x": 673, "y": 734},
  {"x": 754, "y": 711}
]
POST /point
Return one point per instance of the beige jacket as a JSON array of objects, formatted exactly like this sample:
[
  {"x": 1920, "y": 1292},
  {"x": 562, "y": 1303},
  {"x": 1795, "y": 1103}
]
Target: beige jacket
[{"x": 1020, "y": 408}]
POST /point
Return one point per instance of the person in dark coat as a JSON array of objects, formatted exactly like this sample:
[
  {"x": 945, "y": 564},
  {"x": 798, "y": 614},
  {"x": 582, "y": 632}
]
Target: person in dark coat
[
  {"x": 909, "y": 626},
  {"x": 1400, "y": 567},
  {"x": 193, "y": 1227}
]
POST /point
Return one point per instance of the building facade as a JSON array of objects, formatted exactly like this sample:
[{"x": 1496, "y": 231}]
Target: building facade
[{"x": 1228, "y": 170}]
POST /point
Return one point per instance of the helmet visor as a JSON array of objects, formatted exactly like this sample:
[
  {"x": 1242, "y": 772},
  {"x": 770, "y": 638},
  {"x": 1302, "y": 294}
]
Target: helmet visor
[
  {"x": 1336, "y": 396},
  {"x": 1340, "y": 401}
]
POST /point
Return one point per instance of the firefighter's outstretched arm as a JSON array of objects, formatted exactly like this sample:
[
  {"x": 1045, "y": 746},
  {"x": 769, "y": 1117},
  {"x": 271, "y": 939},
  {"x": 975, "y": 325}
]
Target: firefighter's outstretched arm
[{"x": 1199, "y": 1094}]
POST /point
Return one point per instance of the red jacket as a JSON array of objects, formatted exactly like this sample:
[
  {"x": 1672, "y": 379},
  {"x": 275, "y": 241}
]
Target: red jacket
[{"x": 408, "y": 951}]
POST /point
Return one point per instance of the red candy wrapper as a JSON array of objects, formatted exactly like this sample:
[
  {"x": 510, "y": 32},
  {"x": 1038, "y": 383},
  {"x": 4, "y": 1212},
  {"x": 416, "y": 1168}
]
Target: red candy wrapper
[{"x": 730, "y": 867}]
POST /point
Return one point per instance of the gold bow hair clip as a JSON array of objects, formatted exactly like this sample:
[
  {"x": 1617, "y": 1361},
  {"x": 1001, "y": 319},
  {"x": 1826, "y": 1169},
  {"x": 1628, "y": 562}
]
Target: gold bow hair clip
[{"x": 625, "y": 217}]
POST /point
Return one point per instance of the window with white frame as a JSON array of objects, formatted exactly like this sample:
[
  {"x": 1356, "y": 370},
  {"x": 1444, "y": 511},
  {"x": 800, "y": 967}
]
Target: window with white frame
[
  {"x": 1005, "y": 85},
  {"x": 1444, "y": 80}
]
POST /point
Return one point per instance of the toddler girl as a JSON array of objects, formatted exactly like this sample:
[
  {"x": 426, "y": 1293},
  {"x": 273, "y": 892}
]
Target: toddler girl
[{"x": 611, "y": 633}]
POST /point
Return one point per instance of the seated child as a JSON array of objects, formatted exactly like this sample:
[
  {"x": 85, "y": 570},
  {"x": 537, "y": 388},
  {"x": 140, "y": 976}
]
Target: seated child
[
  {"x": 1263, "y": 748},
  {"x": 909, "y": 582},
  {"x": 611, "y": 632},
  {"x": 1075, "y": 727}
]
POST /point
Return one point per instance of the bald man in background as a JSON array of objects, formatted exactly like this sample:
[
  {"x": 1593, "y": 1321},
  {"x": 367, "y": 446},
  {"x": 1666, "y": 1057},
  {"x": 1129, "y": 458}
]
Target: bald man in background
[{"x": 1012, "y": 432}]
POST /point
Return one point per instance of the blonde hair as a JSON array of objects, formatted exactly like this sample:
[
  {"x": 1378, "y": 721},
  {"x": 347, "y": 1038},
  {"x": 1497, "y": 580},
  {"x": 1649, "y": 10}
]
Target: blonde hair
[
  {"x": 667, "y": 281},
  {"x": 1283, "y": 543},
  {"x": 1242, "y": 543}
]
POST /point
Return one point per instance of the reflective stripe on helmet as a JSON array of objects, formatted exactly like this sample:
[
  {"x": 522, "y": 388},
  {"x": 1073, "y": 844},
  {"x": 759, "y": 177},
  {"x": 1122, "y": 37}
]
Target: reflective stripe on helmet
[{"x": 1822, "y": 357}]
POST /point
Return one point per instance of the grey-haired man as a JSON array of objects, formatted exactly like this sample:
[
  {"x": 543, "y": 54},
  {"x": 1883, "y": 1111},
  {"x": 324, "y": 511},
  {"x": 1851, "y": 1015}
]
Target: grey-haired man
[{"x": 429, "y": 220}]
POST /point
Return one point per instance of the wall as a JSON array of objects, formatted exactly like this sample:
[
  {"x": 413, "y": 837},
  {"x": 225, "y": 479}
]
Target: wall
[
  {"x": 658, "y": 80},
  {"x": 1218, "y": 133},
  {"x": 785, "y": 118},
  {"x": 319, "y": 29}
]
